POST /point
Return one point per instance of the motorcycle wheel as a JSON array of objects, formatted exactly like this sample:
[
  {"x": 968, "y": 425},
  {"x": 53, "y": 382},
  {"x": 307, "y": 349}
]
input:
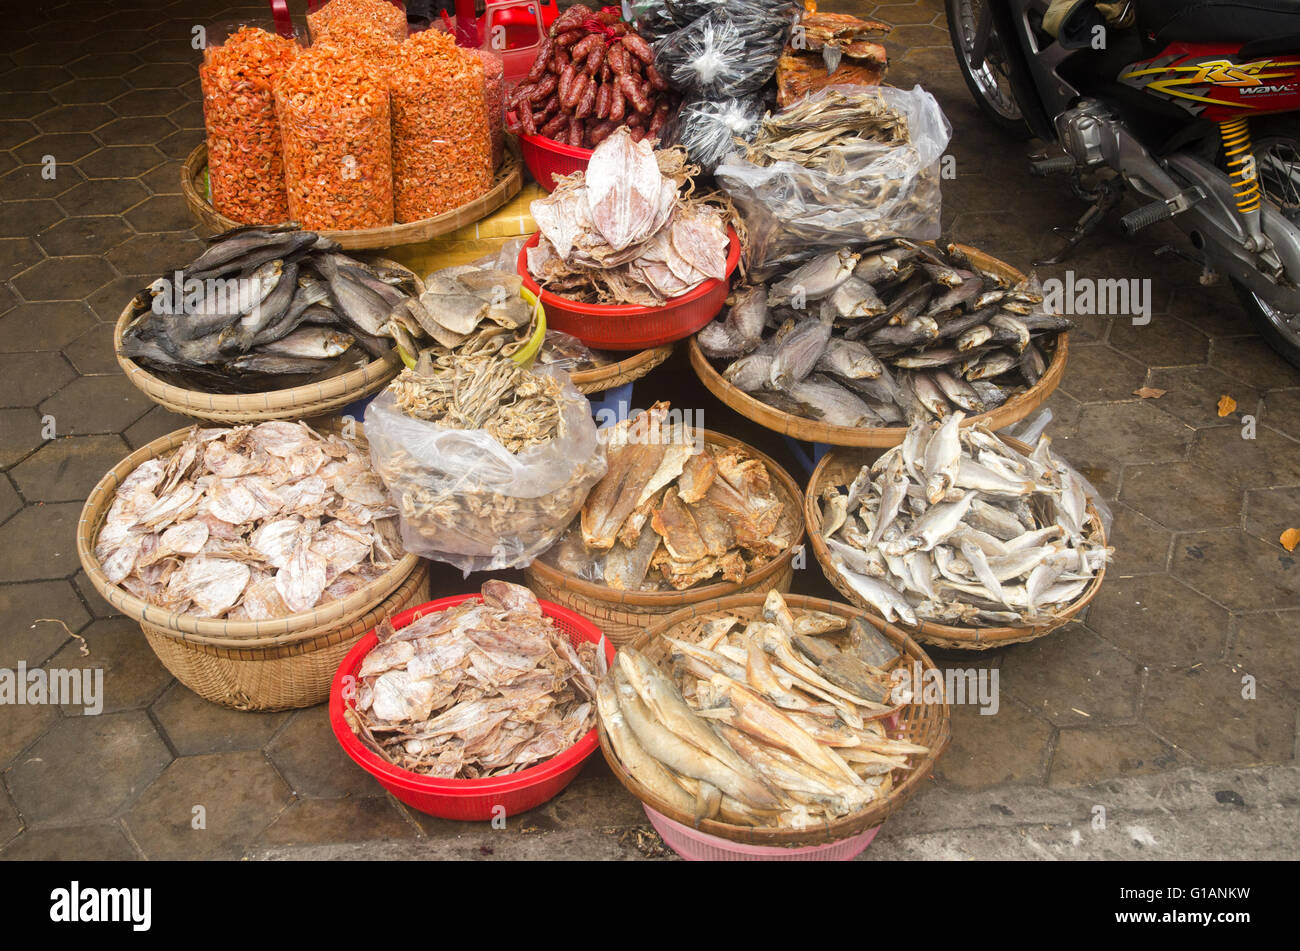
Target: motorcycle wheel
[
  {"x": 1277, "y": 160},
  {"x": 990, "y": 83}
]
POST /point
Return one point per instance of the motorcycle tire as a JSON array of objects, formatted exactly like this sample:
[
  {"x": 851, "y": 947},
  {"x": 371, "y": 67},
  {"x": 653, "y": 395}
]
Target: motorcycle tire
[{"x": 1006, "y": 116}]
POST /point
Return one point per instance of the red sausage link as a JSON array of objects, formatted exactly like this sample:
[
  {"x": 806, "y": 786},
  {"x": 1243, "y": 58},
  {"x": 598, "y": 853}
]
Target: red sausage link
[
  {"x": 556, "y": 126},
  {"x": 539, "y": 64},
  {"x": 587, "y": 102},
  {"x": 575, "y": 132},
  {"x": 569, "y": 38},
  {"x": 617, "y": 106},
  {"x": 577, "y": 87},
  {"x": 639, "y": 48},
  {"x": 582, "y": 49},
  {"x": 526, "y": 118},
  {"x": 656, "y": 78},
  {"x": 543, "y": 89},
  {"x": 566, "y": 83}
]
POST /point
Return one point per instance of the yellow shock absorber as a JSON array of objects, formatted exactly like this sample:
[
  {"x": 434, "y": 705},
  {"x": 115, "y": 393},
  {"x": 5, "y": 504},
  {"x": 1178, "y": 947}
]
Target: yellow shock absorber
[{"x": 1240, "y": 156}]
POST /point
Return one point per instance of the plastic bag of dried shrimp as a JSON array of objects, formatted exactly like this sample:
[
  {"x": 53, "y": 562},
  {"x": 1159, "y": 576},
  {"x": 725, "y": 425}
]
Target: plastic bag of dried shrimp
[
  {"x": 357, "y": 16},
  {"x": 844, "y": 165},
  {"x": 338, "y": 150},
  {"x": 245, "y": 153},
  {"x": 463, "y": 497}
]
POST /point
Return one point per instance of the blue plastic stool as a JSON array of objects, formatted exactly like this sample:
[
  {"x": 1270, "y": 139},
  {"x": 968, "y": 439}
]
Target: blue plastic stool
[
  {"x": 357, "y": 408},
  {"x": 808, "y": 464},
  {"x": 617, "y": 401}
]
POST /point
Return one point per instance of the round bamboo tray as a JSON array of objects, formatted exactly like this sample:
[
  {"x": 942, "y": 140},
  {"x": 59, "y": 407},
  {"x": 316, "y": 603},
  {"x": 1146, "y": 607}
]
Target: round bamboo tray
[
  {"x": 292, "y": 641},
  {"x": 926, "y": 724},
  {"x": 624, "y": 615},
  {"x": 296, "y": 402},
  {"x": 1012, "y": 411},
  {"x": 624, "y": 371},
  {"x": 839, "y": 467},
  {"x": 507, "y": 183}
]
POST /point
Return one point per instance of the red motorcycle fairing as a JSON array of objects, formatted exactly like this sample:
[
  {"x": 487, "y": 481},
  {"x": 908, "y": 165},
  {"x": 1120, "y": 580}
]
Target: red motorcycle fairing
[{"x": 1215, "y": 82}]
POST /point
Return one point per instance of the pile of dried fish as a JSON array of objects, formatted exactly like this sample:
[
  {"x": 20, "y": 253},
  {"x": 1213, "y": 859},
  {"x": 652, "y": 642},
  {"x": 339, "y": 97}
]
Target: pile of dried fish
[
  {"x": 883, "y": 335},
  {"x": 517, "y": 408},
  {"x": 673, "y": 511},
  {"x": 957, "y": 527},
  {"x": 472, "y": 311},
  {"x": 628, "y": 230},
  {"x": 249, "y": 523},
  {"x": 827, "y": 40},
  {"x": 262, "y": 303},
  {"x": 771, "y": 722},
  {"x": 482, "y": 689},
  {"x": 834, "y": 131}
]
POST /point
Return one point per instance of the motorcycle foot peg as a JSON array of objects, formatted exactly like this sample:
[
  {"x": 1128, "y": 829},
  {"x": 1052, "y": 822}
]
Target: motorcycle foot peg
[
  {"x": 1148, "y": 215},
  {"x": 1056, "y": 165}
]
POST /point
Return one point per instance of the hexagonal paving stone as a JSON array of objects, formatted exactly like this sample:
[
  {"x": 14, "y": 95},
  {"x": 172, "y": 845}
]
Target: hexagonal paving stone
[
  {"x": 1159, "y": 621},
  {"x": 32, "y": 79},
  {"x": 103, "y": 197},
  {"x": 240, "y": 794},
  {"x": 70, "y": 278},
  {"x": 26, "y": 379},
  {"x": 120, "y": 161},
  {"x": 1192, "y": 394},
  {"x": 20, "y": 434},
  {"x": 9, "y": 500},
  {"x": 1238, "y": 571},
  {"x": 92, "y": 352},
  {"x": 1270, "y": 512},
  {"x": 15, "y": 131},
  {"x": 324, "y": 821},
  {"x": 160, "y": 75},
  {"x": 1099, "y": 373},
  {"x": 97, "y": 843},
  {"x": 110, "y": 300},
  {"x": 156, "y": 423},
  {"x": 161, "y": 213},
  {"x": 94, "y": 90},
  {"x": 66, "y": 147},
  {"x": 16, "y": 255},
  {"x": 180, "y": 144},
  {"x": 40, "y": 542},
  {"x": 24, "y": 725},
  {"x": 28, "y": 181},
  {"x": 96, "y": 404},
  {"x": 1201, "y": 710},
  {"x": 1252, "y": 361},
  {"x": 188, "y": 116},
  {"x": 67, "y": 469},
  {"x": 196, "y": 726},
  {"x": 84, "y": 235},
  {"x": 24, "y": 218},
  {"x": 29, "y": 620},
  {"x": 1164, "y": 342},
  {"x": 10, "y": 823},
  {"x": 23, "y": 105},
  {"x": 135, "y": 130},
  {"x": 87, "y": 768},
  {"x": 44, "y": 325},
  {"x": 103, "y": 65},
  {"x": 148, "y": 102},
  {"x": 165, "y": 179},
  {"x": 1008, "y": 747},
  {"x": 85, "y": 117},
  {"x": 1270, "y": 459},
  {"x": 1108, "y": 436},
  {"x": 133, "y": 675},
  {"x": 155, "y": 253},
  {"x": 1141, "y": 546},
  {"x": 1182, "y": 496},
  {"x": 1072, "y": 677},
  {"x": 1085, "y": 756},
  {"x": 1282, "y": 411},
  {"x": 1267, "y": 646},
  {"x": 312, "y": 761}
]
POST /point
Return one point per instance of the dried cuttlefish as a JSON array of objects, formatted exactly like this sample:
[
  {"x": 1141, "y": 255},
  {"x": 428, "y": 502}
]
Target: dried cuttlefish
[
  {"x": 628, "y": 230},
  {"x": 482, "y": 689},
  {"x": 776, "y": 719},
  {"x": 250, "y": 523}
]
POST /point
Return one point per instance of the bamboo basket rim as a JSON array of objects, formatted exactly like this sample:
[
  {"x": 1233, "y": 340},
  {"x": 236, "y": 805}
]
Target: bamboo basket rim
[
  {"x": 553, "y": 576},
  {"x": 216, "y": 630},
  {"x": 507, "y": 182},
  {"x": 305, "y": 399},
  {"x": 1012, "y": 411},
  {"x": 632, "y": 368},
  {"x": 931, "y": 632},
  {"x": 844, "y": 827}
]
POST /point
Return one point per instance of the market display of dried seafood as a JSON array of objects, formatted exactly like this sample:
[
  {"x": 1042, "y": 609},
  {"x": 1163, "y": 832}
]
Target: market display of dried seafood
[
  {"x": 878, "y": 336},
  {"x": 955, "y": 526},
  {"x": 485, "y": 688},
  {"x": 249, "y": 523},
  {"x": 774, "y": 722},
  {"x": 673, "y": 511},
  {"x": 629, "y": 229},
  {"x": 835, "y": 49}
]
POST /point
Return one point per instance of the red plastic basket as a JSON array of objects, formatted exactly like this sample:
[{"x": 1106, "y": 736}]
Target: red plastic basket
[
  {"x": 467, "y": 799},
  {"x": 548, "y": 160},
  {"x": 631, "y": 326}
]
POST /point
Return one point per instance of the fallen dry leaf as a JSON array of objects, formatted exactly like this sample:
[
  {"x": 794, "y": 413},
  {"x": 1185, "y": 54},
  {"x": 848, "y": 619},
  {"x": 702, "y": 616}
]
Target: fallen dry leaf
[
  {"x": 1290, "y": 538},
  {"x": 1226, "y": 404},
  {"x": 1150, "y": 393}
]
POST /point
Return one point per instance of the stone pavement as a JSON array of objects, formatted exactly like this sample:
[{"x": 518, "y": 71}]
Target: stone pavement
[{"x": 1137, "y": 710}]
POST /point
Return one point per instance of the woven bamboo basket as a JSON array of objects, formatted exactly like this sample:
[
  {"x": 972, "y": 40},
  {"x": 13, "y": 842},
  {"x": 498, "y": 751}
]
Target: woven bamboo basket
[
  {"x": 838, "y": 467},
  {"x": 624, "y": 371},
  {"x": 1012, "y": 411},
  {"x": 319, "y": 398},
  {"x": 624, "y": 615},
  {"x": 509, "y": 180},
  {"x": 926, "y": 724},
  {"x": 218, "y": 658}
]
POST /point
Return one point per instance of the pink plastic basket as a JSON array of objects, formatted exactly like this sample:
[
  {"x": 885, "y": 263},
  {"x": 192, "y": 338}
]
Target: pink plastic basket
[{"x": 696, "y": 846}]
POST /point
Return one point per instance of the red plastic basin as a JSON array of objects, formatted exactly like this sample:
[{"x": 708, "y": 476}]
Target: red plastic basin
[
  {"x": 466, "y": 799},
  {"x": 632, "y": 326},
  {"x": 548, "y": 160}
]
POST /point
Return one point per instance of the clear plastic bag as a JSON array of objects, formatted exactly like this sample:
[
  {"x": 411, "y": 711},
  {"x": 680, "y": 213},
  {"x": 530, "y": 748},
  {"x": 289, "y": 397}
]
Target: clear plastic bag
[
  {"x": 792, "y": 212},
  {"x": 464, "y": 499},
  {"x": 729, "y": 52},
  {"x": 708, "y": 128}
]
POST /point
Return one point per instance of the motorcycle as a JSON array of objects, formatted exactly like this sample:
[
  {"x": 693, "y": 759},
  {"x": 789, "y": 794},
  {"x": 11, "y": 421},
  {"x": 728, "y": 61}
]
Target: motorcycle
[{"x": 1194, "y": 105}]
